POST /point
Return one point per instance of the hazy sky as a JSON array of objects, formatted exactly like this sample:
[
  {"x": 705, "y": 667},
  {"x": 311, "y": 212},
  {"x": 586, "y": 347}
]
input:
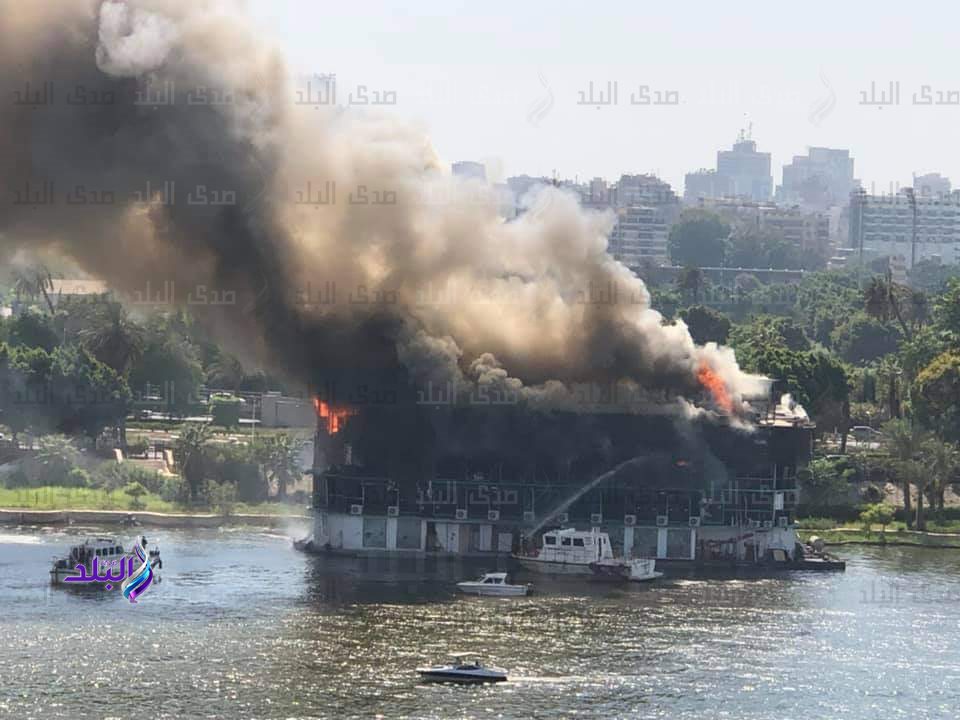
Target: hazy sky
[{"x": 500, "y": 81}]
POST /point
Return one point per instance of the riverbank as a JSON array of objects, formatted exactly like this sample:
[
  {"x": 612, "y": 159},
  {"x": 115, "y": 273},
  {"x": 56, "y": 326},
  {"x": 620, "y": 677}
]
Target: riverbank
[
  {"x": 892, "y": 537},
  {"x": 18, "y": 516}
]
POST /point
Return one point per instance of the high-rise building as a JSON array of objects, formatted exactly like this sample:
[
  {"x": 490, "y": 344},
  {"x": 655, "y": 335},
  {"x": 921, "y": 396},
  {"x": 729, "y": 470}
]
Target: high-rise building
[
  {"x": 640, "y": 234},
  {"x": 747, "y": 170},
  {"x": 470, "y": 169},
  {"x": 886, "y": 224},
  {"x": 706, "y": 184},
  {"x": 931, "y": 185},
  {"x": 649, "y": 190},
  {"x": 821, "y": 178}
]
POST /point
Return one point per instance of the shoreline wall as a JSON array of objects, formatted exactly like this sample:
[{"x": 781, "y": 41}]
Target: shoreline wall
[{"x": 154, "y": 519}]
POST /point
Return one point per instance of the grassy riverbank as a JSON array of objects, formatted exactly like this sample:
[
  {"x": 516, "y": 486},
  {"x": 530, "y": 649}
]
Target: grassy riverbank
[
  {"x": 64, "y": 498},
  {"x": 945, "y": 535}
]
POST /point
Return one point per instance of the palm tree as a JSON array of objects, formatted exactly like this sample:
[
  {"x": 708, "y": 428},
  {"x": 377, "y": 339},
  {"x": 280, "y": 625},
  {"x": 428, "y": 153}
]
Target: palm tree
[
  {"x": 280, "y": 457},
  {"x": 226, "y": 373},
  {"x": 188, "y": 454},
  {"x": 33, "y": 282},
  {"x": 942, "y": 463},
  {"x": 114, "y": 338},
  {"x": 904, "y": 441},
  {"x": 881, "y": 302},
  {"x": 919, "y": 309},
  {"x": 889, "y": 373},
  {"x": 117, "y": 341}
]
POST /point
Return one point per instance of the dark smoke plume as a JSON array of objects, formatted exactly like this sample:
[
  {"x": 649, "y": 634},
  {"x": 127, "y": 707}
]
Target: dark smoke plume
[{"x": 102, "y": 97}]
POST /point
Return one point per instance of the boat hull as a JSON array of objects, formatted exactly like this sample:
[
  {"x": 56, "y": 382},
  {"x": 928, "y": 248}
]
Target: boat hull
[
  {"x": 551, "y": 567},
  {"x": 462, "y": 676},
  {"x": 493, "y": 591}
]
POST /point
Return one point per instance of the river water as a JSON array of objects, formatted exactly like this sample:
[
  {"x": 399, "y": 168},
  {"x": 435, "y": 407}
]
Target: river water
[{"x": 242, "y": 626}]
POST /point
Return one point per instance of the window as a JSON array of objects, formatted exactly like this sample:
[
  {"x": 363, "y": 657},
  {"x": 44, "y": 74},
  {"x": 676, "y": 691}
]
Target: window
[
  {"x": 565, "y": 541},
  {"x": 549, "y": 540},
  {"x": 578, "y": 542},
  {"x": 374, "y": 532},
  {"x": 488, "y": 581}
]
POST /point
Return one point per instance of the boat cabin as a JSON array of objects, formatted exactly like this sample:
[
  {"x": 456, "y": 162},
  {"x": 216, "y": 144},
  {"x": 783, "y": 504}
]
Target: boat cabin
[
  {"x": 493, "y": 579},
  {"x": 575, "y": 546}
]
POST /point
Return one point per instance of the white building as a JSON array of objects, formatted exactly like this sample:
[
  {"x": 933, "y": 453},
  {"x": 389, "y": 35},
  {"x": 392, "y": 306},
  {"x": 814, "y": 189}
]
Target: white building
[
  {"x": 470, "y": 169},
  {"x": 639, "y": 234},
  {"x": 884, "y": 225}
]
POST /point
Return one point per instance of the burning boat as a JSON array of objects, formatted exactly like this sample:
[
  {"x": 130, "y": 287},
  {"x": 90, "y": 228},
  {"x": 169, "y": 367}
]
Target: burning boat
[{"x": 649, "y": 482}]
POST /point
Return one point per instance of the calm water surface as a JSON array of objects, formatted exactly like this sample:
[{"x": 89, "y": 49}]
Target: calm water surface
[{"x": 241, "y": 626}]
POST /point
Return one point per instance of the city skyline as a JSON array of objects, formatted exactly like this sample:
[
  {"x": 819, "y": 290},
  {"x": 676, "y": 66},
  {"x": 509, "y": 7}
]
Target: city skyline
[{"x": 477, "y": 94}]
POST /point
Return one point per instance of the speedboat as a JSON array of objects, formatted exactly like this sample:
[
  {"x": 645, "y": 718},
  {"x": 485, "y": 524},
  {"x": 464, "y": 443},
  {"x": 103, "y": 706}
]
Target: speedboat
[
  {"x": 642, "y": 569},
  {"x": 492, "y": 584},
  {"x": 465, "y": 668}
]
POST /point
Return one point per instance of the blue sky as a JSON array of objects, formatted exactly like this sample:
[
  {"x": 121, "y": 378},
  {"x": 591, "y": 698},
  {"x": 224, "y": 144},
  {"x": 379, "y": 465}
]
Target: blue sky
[{"x": 479, "y": 79}]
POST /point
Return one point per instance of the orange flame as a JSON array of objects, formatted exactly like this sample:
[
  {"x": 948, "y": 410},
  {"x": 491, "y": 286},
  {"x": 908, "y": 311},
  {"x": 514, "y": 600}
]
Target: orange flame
[
  {"x": 335, "y": 417},
  {"x": 718, "y": 389}
]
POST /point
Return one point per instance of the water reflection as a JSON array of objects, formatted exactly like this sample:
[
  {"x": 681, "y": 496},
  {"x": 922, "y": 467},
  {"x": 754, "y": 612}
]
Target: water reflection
[{"x": 243, "y": 626}]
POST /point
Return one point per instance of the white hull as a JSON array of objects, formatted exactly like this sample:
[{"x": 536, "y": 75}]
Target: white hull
[
  {"x": 645, "y": 577},
  {"x": 476, "y": 588},
  {"x": 550, "y": 567}
]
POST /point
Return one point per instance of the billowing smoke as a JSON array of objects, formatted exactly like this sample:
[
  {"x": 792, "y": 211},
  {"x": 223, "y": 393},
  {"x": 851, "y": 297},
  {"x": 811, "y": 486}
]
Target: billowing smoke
[{"x": 158, "y": 141}]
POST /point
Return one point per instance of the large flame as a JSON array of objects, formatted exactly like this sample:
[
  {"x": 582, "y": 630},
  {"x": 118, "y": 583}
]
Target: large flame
[
  {"x": 335, "y": 417},
  {"x": 709, "y": 378}
]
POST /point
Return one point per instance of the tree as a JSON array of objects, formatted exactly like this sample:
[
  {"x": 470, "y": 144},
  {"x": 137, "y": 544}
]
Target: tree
[
  {"x": 889, "y": 374},
  {"x": 771, "y": 329},
  {"x": 938, "y": 394},
  {"x": 117, "y": 341},
  {"x": 877, "y": 514},
  {"x": 706, "y": 324},
  {"x": 824, "y": 483},
  {"x": 55, "y": 458},
  {"x": 942, "y": 463},
  {"x": 135, "y": 491},
  {"x": 904, "y": 441},
  {"x": 825, "y": 300},
  {"x": 30, "y": 329},
  {"x": 188, "y": 453},
  {"x": 168, "y": 360},
  {"x": 66, "y": 391},
  {"x": 947, "y": 310},
  {"x": 691, "y": 282},
  {"x": 114, "y": 338},
  {"x": 884, "y": 300},
  {"x": 698, "y": 239},
  {"x": 33, "y": 282},
  {"x": 863, "y": 339},
  {"x": 280, "y": 457}
]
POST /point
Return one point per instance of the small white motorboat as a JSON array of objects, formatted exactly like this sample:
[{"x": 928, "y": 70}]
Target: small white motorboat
[
  {"x": 465, "y": 668},
  {"x": 492, "y": 584},
  {"x": 642, "y": 569}
]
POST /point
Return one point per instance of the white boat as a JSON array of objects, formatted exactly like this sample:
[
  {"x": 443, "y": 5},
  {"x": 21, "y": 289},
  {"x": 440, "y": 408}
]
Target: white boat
[
  {"x": 465, "y": 668},
  {"x": 569, "y": 552},
  {"x": 585, "y": 552},
  {"x": 642, "y": 569},
  {"x": 101, "y": 552},
  {"x": 492, "y": 584}
]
